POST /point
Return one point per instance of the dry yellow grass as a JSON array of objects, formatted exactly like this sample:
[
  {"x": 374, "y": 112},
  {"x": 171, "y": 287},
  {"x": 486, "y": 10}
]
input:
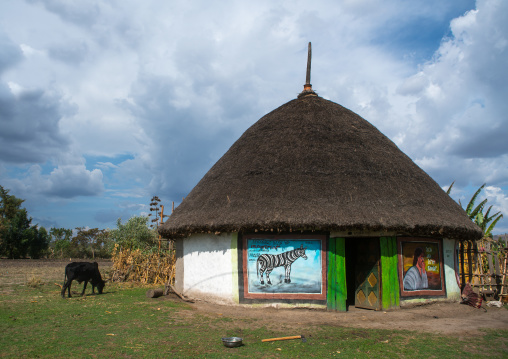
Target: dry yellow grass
[{"x": 135, "y": 265}]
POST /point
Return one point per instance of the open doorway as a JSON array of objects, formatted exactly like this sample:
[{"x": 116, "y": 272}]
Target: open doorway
[{"x": 363, "y": 273}]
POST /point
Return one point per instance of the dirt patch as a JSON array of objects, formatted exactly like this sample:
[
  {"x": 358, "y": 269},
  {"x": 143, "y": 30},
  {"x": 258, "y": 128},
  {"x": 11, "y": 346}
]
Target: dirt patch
[{"x": 442, "y": 318}]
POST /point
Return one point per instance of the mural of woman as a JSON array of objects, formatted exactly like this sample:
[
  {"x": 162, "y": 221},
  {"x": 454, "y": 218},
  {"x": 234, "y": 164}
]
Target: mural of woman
[{"x": 416, "y": 276}]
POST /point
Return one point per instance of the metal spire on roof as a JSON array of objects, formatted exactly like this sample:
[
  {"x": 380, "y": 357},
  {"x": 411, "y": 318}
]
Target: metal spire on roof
[{"x": 307, "y": 88}]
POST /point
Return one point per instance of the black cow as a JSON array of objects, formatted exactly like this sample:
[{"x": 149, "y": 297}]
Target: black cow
[{"x": 83, "y": 272}]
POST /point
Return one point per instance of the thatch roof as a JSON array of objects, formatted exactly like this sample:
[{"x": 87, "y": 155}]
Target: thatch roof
[{"x": 312, "y": 164}]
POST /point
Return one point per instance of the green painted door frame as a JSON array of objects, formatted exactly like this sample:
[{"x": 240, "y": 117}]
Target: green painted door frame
[
  {"x": 337, "y": 289},
  {"x": 390, "y": 297}
]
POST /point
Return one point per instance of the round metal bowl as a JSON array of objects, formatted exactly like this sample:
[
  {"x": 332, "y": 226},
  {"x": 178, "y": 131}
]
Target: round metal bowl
[{"x": 232, "y": 342}]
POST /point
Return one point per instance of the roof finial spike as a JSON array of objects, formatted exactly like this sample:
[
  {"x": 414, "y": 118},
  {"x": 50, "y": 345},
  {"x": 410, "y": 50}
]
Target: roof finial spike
[
  {"x": 307, "y": 88},
  {"x": 309, "y": 59}
]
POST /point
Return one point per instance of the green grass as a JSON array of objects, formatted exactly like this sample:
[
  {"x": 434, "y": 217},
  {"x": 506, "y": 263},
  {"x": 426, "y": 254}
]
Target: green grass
[{"x": 35, "y": 322}]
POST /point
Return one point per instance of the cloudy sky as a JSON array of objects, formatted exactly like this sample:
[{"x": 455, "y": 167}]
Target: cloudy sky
[{"x": 104, "y": 104}]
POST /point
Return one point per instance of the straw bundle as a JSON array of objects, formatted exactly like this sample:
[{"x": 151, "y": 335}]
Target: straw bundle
[{"x": 144, "y": 267}]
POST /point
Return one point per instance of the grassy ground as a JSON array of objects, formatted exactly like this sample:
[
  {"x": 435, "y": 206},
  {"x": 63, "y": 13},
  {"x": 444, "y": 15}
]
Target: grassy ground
[{"x": 35, "y": 322}]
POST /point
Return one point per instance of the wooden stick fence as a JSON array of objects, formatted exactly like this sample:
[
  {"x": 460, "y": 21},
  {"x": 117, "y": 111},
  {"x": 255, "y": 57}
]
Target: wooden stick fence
[{"x": 484, "y": 265}]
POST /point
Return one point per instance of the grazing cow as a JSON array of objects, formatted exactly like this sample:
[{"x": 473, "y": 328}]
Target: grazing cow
[{"x": 83, "y": 272}]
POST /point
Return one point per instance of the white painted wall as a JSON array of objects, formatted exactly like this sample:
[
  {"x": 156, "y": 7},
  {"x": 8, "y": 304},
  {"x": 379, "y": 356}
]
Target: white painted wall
[
  {"x": 452, "y": 287},
  {"x": 208, "y": 272},
  {"x": 210, "y": 269}
]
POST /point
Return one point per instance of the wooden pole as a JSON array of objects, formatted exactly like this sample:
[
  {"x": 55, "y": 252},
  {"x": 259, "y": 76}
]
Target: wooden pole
[
  {"x": 504, "y": 269},
  {"x": 499, "y": 288},
  {"x": 491, "y": 265},
  {"x": 470, "y": 261},
  {"x": 283, "y": 338},
  {"x": 461, "y": 263},
  {"x": 162, "y": 222}
]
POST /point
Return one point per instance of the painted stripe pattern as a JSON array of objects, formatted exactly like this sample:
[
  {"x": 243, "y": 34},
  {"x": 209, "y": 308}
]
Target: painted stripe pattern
[{"x": 267, "y": 262}]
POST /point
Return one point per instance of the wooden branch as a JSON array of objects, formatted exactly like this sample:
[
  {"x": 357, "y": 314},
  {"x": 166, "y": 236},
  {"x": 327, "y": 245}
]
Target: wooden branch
[{"x": 181, "y": 296}]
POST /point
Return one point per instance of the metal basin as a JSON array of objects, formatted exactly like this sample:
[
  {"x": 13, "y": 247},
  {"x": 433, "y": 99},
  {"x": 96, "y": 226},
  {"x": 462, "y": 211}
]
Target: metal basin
[{"x": 232, "y": 342}]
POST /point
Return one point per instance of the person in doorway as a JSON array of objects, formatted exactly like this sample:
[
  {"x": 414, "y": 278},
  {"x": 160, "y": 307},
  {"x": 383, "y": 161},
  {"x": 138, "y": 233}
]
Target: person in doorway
[{"x": 416, "y": 276}]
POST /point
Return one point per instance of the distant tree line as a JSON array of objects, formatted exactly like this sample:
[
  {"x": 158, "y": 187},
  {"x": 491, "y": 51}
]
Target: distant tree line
[{"x": 19, "y": 238}]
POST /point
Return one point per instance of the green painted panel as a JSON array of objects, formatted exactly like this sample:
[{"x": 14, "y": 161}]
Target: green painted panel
[
  {"x": 395, "y": 266},
  {"x": 337, "y": 289},
  {"x": 389, "y": 282},
  {"x": 341, "y": 295},
  {"x": 331, "y": 292},
  {"x": 393, "y": 271},
  {"x": 385, "y": 273}
]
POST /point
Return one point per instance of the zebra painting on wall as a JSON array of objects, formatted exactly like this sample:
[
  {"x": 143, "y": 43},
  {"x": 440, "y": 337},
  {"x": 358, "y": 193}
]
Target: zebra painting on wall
[
  {"x": 273, "y": 268},
  {"x": 267, "y": 262}
]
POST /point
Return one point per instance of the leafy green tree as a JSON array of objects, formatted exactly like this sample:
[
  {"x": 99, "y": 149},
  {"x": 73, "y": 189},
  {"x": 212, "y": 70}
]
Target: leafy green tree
[
  {"x": 134, "y": 234},
  {"x": 100, "y": 243},
  {"x": 16, "y": 237},
  {"x": 9, "y": 208},
  {"x": 9, "y": 205},
  {"x": 104, "y": 244},
  {"x": 92, "y": 242},
  {"x": 61, "y": 240},
  {"x": 38, "y": 242},
  {"x": 81, "y": 243}
]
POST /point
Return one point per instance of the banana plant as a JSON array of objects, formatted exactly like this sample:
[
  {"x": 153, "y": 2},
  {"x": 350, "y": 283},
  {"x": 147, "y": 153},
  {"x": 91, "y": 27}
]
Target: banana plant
[{"x": 485, "y": 221}]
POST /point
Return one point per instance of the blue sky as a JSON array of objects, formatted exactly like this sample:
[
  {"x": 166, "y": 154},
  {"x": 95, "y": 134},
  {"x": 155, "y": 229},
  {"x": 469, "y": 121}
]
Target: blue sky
[{"x": 104, "y": 104}]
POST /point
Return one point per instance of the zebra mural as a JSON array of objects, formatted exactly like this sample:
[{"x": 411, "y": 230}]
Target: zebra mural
[{"x": 267, "y": 262}]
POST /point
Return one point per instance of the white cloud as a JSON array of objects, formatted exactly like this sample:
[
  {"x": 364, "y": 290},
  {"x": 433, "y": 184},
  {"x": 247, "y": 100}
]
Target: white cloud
[
  {"x": 455, "y": 104},
  {"x": 106, "y": 165},
  {"x": 72, "y": 181},
  {"x": 66, "y": 181},
  {"x": 499, "y": 201}
]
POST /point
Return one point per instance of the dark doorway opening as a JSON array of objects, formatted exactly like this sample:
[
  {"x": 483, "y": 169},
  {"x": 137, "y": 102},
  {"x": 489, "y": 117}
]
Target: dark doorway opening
[{"x": 363, "y": 273}]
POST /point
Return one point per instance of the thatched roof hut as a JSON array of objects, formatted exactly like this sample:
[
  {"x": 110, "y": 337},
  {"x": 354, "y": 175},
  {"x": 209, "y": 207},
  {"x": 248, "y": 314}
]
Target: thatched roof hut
[
  {"x": 314, "y": 180},
  {"x": 312, "y": 164}
]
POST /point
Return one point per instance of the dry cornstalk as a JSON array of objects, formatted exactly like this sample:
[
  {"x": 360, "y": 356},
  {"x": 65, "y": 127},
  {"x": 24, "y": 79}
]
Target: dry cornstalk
[{"x": 133, "y": 265}]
